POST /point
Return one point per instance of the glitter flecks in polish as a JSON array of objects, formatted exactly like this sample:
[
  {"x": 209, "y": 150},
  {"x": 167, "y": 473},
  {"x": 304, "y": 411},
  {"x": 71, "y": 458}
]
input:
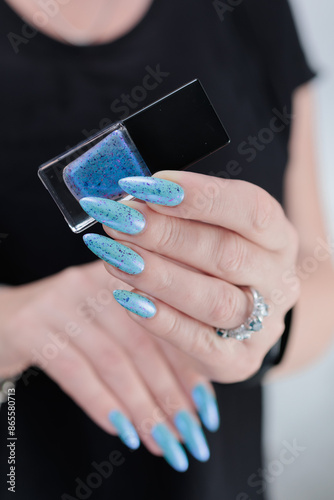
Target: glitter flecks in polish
[
  {"x": 172, "y": 450},
  {"x": 115, "y": 253},
  {"x": 207, "y": 407},
  {"x": 135, "y": 303},
  {"x": 192, "y": 434},
  {"x": 153, "y": 190},
  {"x": 97, "y": 171},
  {"x": 126, "y": 431},
  {"x": 113, "y": 214}
]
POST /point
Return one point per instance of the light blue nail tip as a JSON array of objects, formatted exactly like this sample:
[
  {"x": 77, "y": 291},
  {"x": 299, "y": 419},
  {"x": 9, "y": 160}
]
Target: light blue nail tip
[
  {"x": 192, "y": 434},
  {"x": 114, "y": 214},
  {"x": 115, "y": 253},
  {"x": 207, "y": 407},
  {"x": 135, "y": 303},
  {"x": 153, "y": 190},
  {"x": 173, "y": 452},
  {"x": 126, "y": 432}
]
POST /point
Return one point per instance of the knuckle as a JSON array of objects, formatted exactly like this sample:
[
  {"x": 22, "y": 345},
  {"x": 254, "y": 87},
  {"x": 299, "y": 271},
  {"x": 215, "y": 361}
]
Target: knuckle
[
  {"x": 203, "y": 342},
  {"x": 213, "y": 203},
  {"x": 169, "y": 234},
  {"x": 164, "y": 279},
  {"x": 172, "y": 328},
  {"x": 232, "y": 256},
  {"x": 222, "y": 308},
  {"x": 263, "y": 211}
]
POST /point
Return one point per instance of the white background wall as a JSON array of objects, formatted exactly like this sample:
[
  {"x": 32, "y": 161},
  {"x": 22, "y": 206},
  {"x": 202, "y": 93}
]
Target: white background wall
[
  {"x": 315, "y": 20},
  {"x": 301, "y": 407}
]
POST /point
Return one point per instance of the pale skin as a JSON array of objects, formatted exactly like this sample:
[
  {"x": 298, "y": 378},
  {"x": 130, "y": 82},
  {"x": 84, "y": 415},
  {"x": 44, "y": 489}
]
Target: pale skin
[
  {"x": 70, "y": 20},
  {"x": 104, "y": 362},
  {"x": 102, "y": 369}
]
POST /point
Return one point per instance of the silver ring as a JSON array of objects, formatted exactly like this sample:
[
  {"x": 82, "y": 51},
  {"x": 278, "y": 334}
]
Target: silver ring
[{"x": 252, "y": 324}]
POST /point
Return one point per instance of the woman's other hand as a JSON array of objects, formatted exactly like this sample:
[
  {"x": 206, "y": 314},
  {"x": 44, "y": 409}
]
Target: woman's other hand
[{"x": 71, "y": 327}]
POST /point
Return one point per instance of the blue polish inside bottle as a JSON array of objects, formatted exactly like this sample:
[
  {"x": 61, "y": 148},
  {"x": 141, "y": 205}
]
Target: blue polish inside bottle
[{"x": 98, "y": 170}]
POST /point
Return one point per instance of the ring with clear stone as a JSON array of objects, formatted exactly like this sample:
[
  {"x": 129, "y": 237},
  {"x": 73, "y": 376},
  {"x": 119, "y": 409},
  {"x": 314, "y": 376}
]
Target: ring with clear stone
[{"x": 252, "y": 324}]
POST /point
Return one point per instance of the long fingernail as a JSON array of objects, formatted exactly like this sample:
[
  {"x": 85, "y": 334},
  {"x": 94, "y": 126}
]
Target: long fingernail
[
  {"x": 154, "y": 190},
  {"x": 135, "y": 303},
  {"x": 192, "y": 434},
  {"x": 207, "y": 407},
  {"x": 114, "y": 253},
  {"x": 114, "y": 214},
  {"x": 126, "y": 432},
  {"x": 173, "y": 452}
]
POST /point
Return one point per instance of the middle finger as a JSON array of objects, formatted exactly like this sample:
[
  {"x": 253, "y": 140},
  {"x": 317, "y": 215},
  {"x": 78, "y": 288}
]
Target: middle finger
[
  {"x": 211, "y": 249},
  {"x": 208, "y": 299}
]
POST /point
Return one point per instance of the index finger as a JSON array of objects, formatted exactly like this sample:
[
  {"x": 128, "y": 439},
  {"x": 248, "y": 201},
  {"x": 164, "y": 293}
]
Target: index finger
[{"x": 233, "y": 204}]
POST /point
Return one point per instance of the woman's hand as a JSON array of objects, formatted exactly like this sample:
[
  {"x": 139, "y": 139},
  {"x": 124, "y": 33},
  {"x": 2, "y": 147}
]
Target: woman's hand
[
  {"x": 193, "y": 257},
  {"x": 70, "y": 325}
]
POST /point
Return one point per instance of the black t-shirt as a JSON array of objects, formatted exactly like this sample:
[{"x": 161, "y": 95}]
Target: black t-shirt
[{"x": 52, "y": 96}]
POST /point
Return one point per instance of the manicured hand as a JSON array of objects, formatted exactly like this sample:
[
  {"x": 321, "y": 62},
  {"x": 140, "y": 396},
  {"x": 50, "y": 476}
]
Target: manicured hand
[
  {"x": 70, "y": 325},
  {"x": 190, "y": 252}
]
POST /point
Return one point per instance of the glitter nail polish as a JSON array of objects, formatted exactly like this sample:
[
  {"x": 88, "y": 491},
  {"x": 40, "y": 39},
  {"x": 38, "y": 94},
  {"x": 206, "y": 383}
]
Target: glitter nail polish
[
  {"x": 115, "y": 215},
  {"x": 114, "y": 253},
  {"x": 169, "y": 134},
  {"x": 153, "y": 190},
  {"x": 97, "y": 172},
  {"x": 135, "y": 303}
]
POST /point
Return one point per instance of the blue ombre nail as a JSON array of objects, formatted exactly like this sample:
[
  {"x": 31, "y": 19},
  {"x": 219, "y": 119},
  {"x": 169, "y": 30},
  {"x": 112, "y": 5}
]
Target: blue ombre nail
[
  {"x": 153, "y": 190},
  {"x": 172, "y": 450},
  {"x": 192, "y": 434},
  {"x": 115, "y": 253},
  {"x": 114, "y": 215},
  {"x": 171, "y": 133},
  {"x": 207, "y": 407},
  {"x": 135, "y": 303},
  {"x": 126, "y": 432}
]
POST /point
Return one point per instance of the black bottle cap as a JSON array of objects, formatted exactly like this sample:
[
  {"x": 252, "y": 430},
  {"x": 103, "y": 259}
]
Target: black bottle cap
[
  {"x": 177, "y": 130},
  {"x": 170, "y": 134}
]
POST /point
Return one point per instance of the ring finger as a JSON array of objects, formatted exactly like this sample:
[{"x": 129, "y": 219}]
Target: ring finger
[
  {"x": 170, "y": 380},
  {"x": 205, "y": 298},
  {"x": 211, "y": 249}
]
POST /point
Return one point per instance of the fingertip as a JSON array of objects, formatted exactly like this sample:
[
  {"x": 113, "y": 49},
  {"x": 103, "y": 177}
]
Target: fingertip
[
  {"x": 153, "y": 190},
  {"x": 207, "y": 407},
  {"x": 135, "y": 303},
  {"x": 125, "y": 429}
]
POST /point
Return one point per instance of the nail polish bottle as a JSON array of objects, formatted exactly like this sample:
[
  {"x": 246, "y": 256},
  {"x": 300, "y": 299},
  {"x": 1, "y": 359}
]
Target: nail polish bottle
[{"x": 170, "y": 134}]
